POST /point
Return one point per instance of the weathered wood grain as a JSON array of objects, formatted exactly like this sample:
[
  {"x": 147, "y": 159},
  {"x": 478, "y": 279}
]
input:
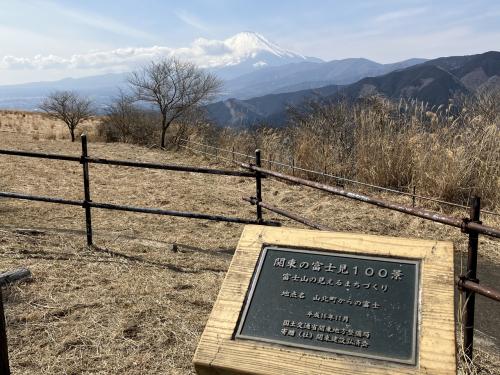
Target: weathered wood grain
[{"x": 217, "y": 353}]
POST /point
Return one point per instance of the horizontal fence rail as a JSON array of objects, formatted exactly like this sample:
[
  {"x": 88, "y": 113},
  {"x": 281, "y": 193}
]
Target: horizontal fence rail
[
  {"x": 87, "y": 202},
  {"x": 170, "y": 167},
  {"x": 128, "y": 163},
  {"x": 187, "y": 214},
  {"x": 40, "y": 155},
  {"x": 117, "y": 207},
  {"x": 294, "y": 167},
  {"x": 288, "y": 214},
  {"x": 472, "y": 286},
  {"x": 422, "y": 213},
  {"x": 39, "y": 198}
]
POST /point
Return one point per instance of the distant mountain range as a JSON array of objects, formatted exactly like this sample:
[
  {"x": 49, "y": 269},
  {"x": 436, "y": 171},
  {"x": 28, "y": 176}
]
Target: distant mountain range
[
  {"x": 251, "y": 66},
  {"x": 307, "y": 75},
  {"x": 434, "y": 82},
  {"x": 241, "y": 54},
  {"x": 261, "y": 80},
  {"x": 28, "y": 96}
]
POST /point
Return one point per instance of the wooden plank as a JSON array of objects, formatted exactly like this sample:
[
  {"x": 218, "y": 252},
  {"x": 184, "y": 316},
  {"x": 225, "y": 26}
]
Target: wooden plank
[
  {"x": 15, "y": 275},
  {"x": 218, "y": 353}
]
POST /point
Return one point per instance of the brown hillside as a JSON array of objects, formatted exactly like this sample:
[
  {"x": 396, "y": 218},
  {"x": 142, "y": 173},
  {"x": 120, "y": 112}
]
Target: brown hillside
[{"x": 138, "y": 303}]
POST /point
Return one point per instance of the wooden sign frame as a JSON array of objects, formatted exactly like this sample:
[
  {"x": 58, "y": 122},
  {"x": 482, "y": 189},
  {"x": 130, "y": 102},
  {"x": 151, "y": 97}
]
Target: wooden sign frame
[{"x": 219, "y": 353}]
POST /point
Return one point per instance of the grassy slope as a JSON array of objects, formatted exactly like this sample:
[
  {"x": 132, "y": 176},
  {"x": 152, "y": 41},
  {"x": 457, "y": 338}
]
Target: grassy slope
[{"x": 135, "y": 305}]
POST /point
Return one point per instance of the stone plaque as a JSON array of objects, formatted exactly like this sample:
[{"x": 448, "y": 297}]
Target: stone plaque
[
  {"x": 298, "y": 301},
  {"x": 335, "y": 302}
]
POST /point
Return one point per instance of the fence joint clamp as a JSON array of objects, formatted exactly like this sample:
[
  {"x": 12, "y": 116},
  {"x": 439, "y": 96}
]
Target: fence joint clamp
[
  {"x": 462, "y": 279},
  {"x": 465, "y": 222}
]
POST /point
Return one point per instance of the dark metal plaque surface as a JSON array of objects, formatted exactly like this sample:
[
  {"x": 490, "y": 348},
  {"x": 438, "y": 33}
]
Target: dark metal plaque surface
[{"x": 331, "y": 301}]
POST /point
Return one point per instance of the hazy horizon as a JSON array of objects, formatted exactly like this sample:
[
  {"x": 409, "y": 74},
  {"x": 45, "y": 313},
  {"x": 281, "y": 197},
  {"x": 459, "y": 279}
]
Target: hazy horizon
[{"x": 59, "y": 39}]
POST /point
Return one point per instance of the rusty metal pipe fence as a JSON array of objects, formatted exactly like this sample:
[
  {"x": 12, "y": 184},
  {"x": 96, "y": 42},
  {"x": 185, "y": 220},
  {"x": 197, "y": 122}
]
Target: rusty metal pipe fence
[
  {"x": 88, "y": 204},
  {"x": 471, "y": 226},
  {"x": 293, "y": 167},
  {"x": 464, "y": 224}
]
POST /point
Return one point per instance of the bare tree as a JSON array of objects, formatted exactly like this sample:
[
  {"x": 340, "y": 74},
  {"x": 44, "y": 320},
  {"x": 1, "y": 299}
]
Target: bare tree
[
  {"x": 173, "y": 87},
  {"x": 126, "y": 122},
  {"x": 69, "y": 107}
]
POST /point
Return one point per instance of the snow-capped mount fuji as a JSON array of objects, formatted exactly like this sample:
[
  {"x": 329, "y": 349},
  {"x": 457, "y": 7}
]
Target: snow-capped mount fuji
[
  {"x": 243, "y": 53},
  {"x": 249, "y": 44},
  {"x": 249, "y": 51}
]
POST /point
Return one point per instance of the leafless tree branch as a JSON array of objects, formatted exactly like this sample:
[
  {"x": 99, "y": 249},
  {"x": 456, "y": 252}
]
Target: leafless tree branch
[
  {"x": 173, "y": 87},
  {"x": 69, "y": 107}
]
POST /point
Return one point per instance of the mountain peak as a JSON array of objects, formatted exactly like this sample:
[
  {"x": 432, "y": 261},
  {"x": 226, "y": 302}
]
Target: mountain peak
[
  {"x": 250, "y": 35},
  {"x": 252, "y": 38},
  {"x": 248, "y": 43}
]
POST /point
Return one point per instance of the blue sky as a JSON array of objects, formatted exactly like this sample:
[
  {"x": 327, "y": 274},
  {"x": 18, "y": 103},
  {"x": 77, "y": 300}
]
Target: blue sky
[{"x": 382, "y": 30}]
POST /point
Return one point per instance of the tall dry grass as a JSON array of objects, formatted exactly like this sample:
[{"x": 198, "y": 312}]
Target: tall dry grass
[
  {"x": 41, "y": 127},
  {"x": 449, "y": 152}
]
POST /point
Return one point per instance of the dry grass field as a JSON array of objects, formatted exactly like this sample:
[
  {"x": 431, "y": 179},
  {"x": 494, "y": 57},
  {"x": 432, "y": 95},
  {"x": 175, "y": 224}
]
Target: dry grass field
[
  {"x": 40, "y": 126},
  {"x": 138, "y": 302}
]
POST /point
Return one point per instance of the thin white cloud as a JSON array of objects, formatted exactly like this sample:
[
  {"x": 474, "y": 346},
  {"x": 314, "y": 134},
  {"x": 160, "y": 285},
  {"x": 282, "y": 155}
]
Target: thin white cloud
[
  {"x": 190, "y": 19},
  {"x": 397, "y": 15},
  {"x": 124, "y": 57},
  {"x": 204, "y": 52}
]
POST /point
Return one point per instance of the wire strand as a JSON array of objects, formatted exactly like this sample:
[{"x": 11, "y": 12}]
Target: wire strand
[{"x": 338, "y": 178}]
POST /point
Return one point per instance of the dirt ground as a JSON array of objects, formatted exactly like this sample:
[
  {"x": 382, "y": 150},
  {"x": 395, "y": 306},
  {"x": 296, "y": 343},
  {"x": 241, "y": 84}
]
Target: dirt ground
[{"x": 137, "y": 303}]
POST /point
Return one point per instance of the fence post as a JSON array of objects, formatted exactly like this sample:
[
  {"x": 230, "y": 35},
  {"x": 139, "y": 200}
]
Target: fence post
[
  {"x": 232, "y": 153},
  {"x": 258, "y": 187},
  {"x": 413, "y": 197},
  {"x": 4, "y": 351},
  {"x": 293, "y": 166},
  {"x": 86, "y": 189},
  {"x": 470, "y": 298}
]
